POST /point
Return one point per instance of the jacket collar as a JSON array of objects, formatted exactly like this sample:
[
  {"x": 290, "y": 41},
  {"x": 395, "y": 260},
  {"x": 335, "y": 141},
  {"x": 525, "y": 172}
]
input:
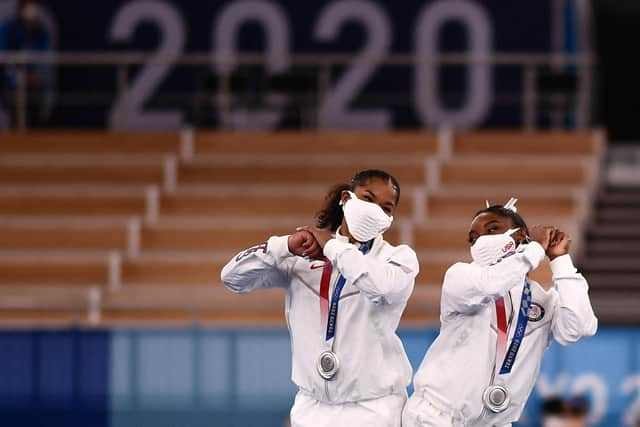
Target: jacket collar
[{"x": 376, "y": 242}]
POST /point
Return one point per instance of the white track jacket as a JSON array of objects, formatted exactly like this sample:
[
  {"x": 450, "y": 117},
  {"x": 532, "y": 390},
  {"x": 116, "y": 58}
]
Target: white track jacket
[
  {"x": 461, "y": 361},
  {"x": 373, "y": 362}
]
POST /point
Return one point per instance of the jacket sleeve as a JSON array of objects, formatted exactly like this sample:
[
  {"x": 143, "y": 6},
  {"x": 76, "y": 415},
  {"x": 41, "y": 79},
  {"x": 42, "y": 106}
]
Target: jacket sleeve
[
  {"x": 573, "y": 317},
  {"x": 391, "y": 279},
  {"x": 261, "y": 267},
  {"x": 467, "y": 287}
]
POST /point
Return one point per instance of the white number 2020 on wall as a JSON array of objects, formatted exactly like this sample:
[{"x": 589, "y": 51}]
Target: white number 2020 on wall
[{"x": 334, "y": 109}]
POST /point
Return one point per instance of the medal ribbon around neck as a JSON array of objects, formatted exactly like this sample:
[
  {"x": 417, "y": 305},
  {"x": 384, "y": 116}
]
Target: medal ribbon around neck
[
  {"x": 329, "y": 309},
  {"x": 518, "y": 335}
]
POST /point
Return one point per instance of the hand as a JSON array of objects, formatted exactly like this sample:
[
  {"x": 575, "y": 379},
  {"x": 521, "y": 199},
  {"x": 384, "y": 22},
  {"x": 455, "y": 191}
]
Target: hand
[
  {"x": 303, "y": 243},
  {"x": 322, "y": 235},
  {"x": 542, "y": 234},
  {"x": 558, "y": 245}
]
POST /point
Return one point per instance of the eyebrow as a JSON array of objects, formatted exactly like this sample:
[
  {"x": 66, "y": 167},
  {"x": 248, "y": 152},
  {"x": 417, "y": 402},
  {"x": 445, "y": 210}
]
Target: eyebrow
[
  {"x": 389, "y": 203},
  {"x": 492, "y": 222},
  {"x": 371, "y": 193}
]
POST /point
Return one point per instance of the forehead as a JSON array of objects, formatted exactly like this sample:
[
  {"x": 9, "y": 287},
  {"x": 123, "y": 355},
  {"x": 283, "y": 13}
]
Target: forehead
[
  {"x": 485, "y": 218},
  {"x": 381, "y": 187}
]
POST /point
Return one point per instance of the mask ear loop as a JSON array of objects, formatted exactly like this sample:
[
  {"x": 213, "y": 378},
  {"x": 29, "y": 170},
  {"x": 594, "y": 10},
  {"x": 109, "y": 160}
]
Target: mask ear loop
[
  {"x": 510, "y": 231},
  {"x": 526, "y": 240},
  {"x": 351, "y": 195}
]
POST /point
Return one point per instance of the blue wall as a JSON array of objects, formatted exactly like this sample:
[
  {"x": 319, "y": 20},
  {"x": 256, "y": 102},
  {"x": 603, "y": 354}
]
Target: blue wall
[
  {"x": 54, "y": 379},
  {"x": 216, "y": 377}
]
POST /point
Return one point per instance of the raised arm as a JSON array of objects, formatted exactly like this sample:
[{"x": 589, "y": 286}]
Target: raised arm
[
  {"x": 262, "y": 266},
  {"x": 468, "y": 286},
  {"x": 392, "y": 279},
  {"x": 267, "y": 265},
  {"x": 573, "y": 317}
]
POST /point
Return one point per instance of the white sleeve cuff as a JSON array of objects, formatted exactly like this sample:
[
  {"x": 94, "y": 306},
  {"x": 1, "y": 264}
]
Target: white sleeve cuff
[
  {"x": 534, "y": 254},
  {"x": 562, "y": 266},
  {"x": 334, "y": 247},
  {"x": 278, "y": 248}
]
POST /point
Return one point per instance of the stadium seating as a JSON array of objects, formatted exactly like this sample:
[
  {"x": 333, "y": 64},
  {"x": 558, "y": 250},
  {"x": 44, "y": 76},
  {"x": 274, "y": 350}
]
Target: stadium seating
[
  {"x": 611, "y": 252},
  {"x": 133, "y": 228}
]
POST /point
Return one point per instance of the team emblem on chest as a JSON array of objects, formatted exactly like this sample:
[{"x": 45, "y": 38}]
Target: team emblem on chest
[{"x": 536, "y": 312}]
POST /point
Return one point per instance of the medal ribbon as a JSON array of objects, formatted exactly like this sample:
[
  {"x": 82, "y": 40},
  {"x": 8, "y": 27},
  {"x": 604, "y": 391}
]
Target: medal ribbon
[
  {"x": 518, "y": 336},
  {"x": 501, "y": 313},
  {"x": 329, "y": 311}
]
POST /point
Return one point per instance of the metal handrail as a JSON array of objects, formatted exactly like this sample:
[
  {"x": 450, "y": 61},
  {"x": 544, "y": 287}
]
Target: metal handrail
[
  {"x": 528, "y": 62},
  {"x": 324, "y": 59}
]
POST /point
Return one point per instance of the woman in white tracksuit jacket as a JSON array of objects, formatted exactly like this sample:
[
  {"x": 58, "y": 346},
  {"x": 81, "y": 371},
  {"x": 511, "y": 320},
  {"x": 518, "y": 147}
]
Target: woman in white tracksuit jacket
[
  {"x": 495, "y": 326},
  {"x": 348, "y": 363}
]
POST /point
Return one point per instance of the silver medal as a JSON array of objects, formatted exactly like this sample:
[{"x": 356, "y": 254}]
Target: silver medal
[
  {"x": 328, "y": 365},
  {"x": 496, "y": 398}
]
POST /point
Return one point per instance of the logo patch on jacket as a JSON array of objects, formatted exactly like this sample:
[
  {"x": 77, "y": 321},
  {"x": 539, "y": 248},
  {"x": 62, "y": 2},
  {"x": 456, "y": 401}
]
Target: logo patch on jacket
[
  {"x": 508, "y": 247},
  {"x": 261, "y": 247},
  {"x": 536, "y": 312}
]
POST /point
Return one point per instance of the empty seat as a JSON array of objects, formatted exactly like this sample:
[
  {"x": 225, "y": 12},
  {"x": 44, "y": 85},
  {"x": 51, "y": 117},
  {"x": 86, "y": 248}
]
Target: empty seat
[
  {"x": 444, "y": 205},
  {"x": 211, "y": 205},
  {"x": 69, "y": 204},
  {"x": 171, "y": 271},
  {"x": 64, "y": 198},
  {"x": 509, "y": 174},
  {"x": 40, "y": 317},
  {"x": 192, "y": 297},
  {"x": 53, "y": 270},
  {"x": 436, "y": 237},
  {"x": 186, "y": 304},
  {"x": 188, "y": 204},
  {"x": 61, "y": 237},
  {"x": 342, "y": 143},
  {"x": 207, "y": 238},
  {"x": 73, "y": 174},
  {"x": 89, "y": 142},
  {"x": 432, "y": 267},
  {"x": 255, "y": 173},
  {"x": 488, "y": 143},
  {"x": 38, "y": 306}
]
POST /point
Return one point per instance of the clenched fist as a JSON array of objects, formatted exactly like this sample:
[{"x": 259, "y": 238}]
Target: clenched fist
[
  {"x": 304, "y": 244},
  {"x": 542, "y": 234},
  {"x": 558, "y": 245}
]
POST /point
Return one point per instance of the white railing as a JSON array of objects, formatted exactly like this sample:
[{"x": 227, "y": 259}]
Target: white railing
[{"x": 529, "y": 64}]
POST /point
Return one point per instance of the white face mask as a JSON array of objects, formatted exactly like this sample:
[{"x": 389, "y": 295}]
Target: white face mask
[
  {"x": 365, "y": 220},
  {"x": 489, "y": 249}
]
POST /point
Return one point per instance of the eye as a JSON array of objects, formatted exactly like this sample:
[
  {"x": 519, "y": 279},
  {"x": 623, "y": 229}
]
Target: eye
[
  {"x": 386, "y": 210},
  {"x": 368, "y": 198}
]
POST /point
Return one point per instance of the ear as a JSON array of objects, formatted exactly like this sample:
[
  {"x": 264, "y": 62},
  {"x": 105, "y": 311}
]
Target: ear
[
  {"x": 344, "y": 197},
  {"x": 520, "y": 236}
]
